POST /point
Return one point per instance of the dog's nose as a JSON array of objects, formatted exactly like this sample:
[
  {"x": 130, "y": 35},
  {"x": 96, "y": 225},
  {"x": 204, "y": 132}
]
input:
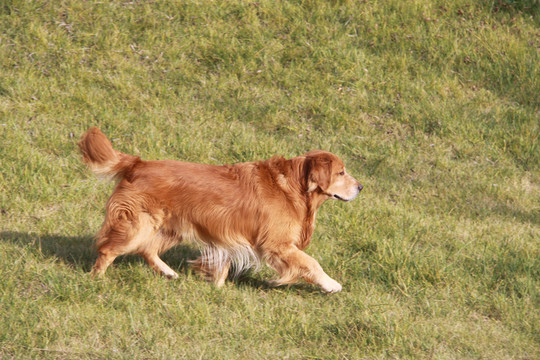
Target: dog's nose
[{"x": 360, "y": 187}]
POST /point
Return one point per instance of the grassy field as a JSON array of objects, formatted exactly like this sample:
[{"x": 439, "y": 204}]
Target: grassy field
[{"x": 433, "y": 105}]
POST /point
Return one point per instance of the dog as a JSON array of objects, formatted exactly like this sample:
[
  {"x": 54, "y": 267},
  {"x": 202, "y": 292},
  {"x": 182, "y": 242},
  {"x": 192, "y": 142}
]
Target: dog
[{"x": 241, "y": 215}]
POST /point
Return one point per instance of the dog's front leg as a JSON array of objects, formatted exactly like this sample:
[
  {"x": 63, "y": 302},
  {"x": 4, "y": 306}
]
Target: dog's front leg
[{"x": 294, "y": 263}]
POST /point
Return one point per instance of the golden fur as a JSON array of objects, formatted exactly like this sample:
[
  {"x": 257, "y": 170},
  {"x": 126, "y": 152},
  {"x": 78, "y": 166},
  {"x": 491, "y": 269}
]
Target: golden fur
[{"x": 241, "y": 214}]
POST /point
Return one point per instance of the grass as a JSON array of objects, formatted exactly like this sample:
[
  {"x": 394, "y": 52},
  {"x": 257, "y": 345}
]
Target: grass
[{"x": 433, "y": 105}]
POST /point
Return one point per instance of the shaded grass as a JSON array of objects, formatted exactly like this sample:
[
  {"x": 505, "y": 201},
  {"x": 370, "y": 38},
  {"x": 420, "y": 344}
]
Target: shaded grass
[{"x": 432, "y": 105}]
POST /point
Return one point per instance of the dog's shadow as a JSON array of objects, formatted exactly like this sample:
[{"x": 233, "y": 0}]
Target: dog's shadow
[{"x": 79, "y": 252}]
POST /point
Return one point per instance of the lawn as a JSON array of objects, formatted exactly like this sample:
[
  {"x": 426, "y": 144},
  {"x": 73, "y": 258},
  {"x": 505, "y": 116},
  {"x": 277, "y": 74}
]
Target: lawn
[{"x": 433, "y": 105}]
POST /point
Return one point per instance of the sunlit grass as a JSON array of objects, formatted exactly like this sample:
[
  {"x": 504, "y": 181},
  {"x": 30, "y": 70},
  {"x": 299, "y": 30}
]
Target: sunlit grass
[{"x": 432, "y": 105}]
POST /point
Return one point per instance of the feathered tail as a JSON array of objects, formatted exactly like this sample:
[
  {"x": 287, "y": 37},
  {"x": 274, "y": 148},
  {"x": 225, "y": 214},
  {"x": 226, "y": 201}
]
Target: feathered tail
[{"x": 101, "y": 158}]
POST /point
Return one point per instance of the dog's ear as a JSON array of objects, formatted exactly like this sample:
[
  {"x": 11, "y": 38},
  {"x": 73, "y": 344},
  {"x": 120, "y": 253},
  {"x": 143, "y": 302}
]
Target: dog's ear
[{"x": 318, "y": 171}]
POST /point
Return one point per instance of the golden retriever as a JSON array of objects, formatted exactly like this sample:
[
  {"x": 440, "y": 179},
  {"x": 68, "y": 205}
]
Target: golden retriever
[{"x": 240, "y": 214}]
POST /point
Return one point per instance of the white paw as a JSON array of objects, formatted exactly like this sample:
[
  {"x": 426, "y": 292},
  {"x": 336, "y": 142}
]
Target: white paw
[
  {"x": 170, "y": 275},
  {"x": 331, "y": 286}
]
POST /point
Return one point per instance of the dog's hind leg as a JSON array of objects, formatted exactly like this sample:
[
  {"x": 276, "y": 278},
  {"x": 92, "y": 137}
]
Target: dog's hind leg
[
  {"x": 158, "y": 265},
  {"x": 111, "y": 244},
  {"x": 124, "y": 237},
  {"x": 161, "y": 241},
  {"x": 105, "y": 258}
]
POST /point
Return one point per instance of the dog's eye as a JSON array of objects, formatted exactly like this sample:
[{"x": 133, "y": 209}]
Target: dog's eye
[{"x": 342, "y": 173}]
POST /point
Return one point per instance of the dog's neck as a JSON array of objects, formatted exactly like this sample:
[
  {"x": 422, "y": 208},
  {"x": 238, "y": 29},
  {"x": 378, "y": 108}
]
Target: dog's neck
[
  {"x": 313, "y": 202},
  {"x": 290, "y": 176},
  {"x": 313, "y": 199}
]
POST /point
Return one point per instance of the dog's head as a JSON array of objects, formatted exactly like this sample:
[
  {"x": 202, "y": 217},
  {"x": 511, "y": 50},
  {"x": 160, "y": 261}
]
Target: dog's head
[{"x": 325, "y": 173}]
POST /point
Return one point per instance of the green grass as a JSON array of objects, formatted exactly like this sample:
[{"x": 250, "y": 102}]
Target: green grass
[{"x": 433, "y": 105}]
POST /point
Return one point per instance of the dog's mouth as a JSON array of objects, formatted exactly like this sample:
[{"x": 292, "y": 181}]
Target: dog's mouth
[{"x": 336, "y": 196}]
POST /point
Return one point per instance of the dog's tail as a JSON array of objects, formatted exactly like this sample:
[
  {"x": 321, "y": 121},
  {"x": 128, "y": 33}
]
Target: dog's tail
[{"x": 101, "y": 158}]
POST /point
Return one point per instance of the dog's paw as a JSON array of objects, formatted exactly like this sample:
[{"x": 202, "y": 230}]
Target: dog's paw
[
  {"x": 171, "y": 275},
  {"x": 331, "y": 286}
]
